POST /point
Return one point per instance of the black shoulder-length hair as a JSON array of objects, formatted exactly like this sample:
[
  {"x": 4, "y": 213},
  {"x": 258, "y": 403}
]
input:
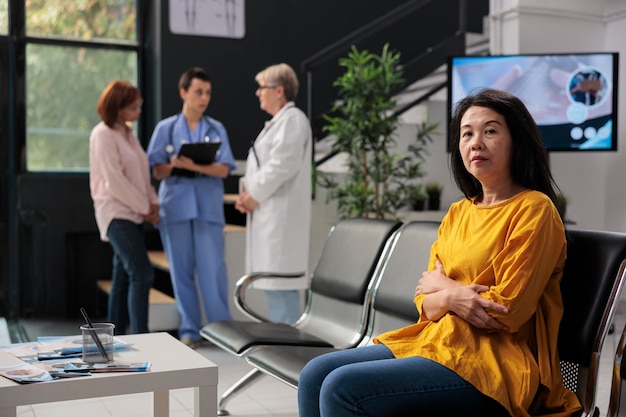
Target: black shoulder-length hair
[{"x": 530, "y": 166}]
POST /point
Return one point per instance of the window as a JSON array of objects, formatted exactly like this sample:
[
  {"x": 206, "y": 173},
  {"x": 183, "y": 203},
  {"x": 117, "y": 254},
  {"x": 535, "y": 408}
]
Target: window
[
  {"x": 74, "y": 49},
  {"x": 103, "y": 20},
  {"x": 4, "y": 17},
  {"x": 62, "y": 89}
]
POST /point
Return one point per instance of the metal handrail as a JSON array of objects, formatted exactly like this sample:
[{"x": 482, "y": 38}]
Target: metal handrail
[
  {"x": 384, "y": 21},
  {"x": 378, "y": 24}
]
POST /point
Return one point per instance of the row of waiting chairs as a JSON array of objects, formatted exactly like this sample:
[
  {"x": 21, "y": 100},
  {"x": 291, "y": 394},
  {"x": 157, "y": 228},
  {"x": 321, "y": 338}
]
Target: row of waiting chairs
[
  {"x": 363, "y": 285},
  {"x": 335, "y": 314}
]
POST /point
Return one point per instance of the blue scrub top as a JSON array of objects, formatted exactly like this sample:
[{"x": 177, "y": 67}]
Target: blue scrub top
[{"x": 183, "y": 198}]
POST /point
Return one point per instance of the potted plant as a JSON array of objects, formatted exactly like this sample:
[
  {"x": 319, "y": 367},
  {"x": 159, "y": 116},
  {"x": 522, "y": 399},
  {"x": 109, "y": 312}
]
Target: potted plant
[
  {"x": 379, "y": 179},
  {"x": 417, "y": 197},
  {"x": 434, "y": 189}
]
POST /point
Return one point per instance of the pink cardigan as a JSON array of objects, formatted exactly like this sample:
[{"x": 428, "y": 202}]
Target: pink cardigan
[{"x": 119, "y": 177}]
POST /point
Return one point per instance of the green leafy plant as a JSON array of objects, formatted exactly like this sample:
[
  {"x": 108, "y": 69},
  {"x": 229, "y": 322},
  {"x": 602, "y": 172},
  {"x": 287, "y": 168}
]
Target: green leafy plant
[
  {"x": 379, "y": 179},
  {"x": 434, "y": 188}
]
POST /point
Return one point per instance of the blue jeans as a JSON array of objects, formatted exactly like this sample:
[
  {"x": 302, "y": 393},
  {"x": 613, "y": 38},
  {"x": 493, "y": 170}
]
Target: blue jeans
[
  {"x": 283, "y": 305},
  {"x": 133, "y": 277},
  {"x": 369, "y": 381}
]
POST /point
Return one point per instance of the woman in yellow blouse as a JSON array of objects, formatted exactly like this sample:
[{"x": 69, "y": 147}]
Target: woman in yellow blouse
[{"x": 490, "y": 303}]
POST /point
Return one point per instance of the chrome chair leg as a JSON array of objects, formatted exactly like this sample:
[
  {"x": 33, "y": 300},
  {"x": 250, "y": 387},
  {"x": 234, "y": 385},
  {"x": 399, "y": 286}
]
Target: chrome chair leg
[{"x": 247, "y": 379}]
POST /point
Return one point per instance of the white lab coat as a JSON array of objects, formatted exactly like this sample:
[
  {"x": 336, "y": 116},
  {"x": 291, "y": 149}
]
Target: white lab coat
[{"x": 278, "y": 230}]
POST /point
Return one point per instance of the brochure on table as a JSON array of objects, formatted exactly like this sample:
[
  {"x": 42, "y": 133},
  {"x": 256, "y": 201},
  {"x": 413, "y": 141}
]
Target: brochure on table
[{"x": 53, "y": 357}]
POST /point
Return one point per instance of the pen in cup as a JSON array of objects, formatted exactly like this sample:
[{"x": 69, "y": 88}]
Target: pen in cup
[{"x": 94, "y": 335}]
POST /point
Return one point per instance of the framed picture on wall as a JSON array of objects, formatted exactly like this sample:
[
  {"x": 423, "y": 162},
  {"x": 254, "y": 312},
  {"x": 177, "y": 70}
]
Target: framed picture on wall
[{"x": 218, "y": 18}]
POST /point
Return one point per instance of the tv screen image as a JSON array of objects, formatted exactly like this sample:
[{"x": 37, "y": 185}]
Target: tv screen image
[{"x": 572, "y": 97}]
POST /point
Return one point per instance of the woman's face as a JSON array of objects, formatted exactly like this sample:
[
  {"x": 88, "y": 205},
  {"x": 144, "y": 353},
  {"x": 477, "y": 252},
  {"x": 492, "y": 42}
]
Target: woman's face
[
  {"x": 198, "y": 96},
  {"x": 269, "y": 97},
  {"x": 131, "y": 112},
  {"x": 486, "y": 145}
]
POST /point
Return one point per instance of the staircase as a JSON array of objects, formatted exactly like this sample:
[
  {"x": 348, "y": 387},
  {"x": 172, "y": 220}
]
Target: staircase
[{"x": 412, "y": 101}]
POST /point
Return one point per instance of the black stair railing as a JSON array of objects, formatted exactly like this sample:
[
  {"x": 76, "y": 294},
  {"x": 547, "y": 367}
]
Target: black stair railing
[{"x": 424, "y": 32}]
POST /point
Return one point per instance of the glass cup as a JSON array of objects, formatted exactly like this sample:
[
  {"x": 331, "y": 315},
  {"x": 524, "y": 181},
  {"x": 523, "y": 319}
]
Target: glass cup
[{"x": 98, "y": 342}]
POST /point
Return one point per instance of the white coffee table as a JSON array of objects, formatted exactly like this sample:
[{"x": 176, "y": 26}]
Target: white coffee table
[{"x": 174, "y": 366}]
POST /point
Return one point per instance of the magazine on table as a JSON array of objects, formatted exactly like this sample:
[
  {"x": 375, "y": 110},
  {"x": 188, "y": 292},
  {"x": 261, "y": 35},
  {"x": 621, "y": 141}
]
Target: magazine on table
[
  {"x": 55, "y": 357},
  {"x": 25, "y": 373},
  {"x": 56, "y": 368},
  {"x": 28, "y": 373},
  {"x": 52, "y": 366},
  {"x": 115, "y": 366},
  {"x": 53, "y": 347},
  {"x": 25, "y": 351}
]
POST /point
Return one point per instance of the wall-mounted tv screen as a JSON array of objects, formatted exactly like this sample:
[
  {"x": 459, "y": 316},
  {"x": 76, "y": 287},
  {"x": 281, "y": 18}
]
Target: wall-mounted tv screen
[{"x": 572, "y": 97}]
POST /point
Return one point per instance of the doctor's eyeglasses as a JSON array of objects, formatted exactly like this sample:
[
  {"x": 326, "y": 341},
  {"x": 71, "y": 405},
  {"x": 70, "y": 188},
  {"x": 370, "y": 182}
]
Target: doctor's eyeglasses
[{"x": 264, "y": 87}]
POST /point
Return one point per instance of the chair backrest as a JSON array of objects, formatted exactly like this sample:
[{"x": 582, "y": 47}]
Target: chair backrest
[
  {"x": 338, "y": 300},
  {"x": 392, "y": 305},
  {"x": 591, "y": 285},
  {"x": 592, "y": 281},
  {"x": 617, "y": 397}
]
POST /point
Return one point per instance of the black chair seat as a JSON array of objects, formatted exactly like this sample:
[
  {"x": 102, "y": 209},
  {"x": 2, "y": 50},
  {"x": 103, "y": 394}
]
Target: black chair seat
[
  {"x": 238, "y": 336},
  {"x": 285, "y": 362}
]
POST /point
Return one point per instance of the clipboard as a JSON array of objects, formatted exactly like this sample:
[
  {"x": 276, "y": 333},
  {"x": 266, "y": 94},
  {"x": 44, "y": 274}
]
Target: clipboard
[{"x": 202, "y": 153}]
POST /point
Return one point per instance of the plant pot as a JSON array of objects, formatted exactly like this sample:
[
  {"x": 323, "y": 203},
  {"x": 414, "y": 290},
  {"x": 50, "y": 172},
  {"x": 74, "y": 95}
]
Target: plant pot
[
  {"x": 419, "y": 205},
  {"x": 434, "y": 204}
]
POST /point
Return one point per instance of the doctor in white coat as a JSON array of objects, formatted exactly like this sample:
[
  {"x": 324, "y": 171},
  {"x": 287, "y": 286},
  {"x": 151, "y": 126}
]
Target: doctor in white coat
[{"x": 276, "y": 194}]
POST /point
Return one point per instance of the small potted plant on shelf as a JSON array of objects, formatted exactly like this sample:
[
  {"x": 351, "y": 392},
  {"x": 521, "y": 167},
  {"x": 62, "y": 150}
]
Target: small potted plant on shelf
[
  {"x": 434, "y": 189},
  {"x": 417, "y": 197}
]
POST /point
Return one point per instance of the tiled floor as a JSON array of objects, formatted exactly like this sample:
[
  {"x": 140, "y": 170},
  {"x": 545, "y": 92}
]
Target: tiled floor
[{"x": 265, "y": 398}]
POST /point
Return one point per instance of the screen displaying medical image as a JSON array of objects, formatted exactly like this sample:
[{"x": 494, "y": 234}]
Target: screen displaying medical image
[{"x": 572, "y": 97}]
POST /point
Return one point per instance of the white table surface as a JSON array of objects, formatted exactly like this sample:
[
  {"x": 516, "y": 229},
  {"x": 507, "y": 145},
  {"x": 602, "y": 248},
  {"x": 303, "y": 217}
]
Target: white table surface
[{"x": 174, "y": 366}]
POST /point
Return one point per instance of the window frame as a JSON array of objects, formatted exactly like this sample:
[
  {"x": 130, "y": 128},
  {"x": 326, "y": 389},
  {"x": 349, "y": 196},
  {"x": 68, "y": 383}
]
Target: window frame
[
  {"x": 17, "y": 32},
  {"x": 13, "y": 171}
]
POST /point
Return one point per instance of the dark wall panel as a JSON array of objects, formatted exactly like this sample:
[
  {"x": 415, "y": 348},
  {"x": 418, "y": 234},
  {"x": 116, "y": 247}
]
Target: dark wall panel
[
  {"x": 51, "y": 209},
  {"x": 61, "y": 254},
  {"x": 276, "y": 31}
]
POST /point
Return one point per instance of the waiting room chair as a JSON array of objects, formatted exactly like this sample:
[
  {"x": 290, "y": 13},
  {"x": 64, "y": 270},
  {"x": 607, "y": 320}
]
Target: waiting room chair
[
  {"x": 617, "y": 396},
  {"x": 591, "y": 285},
  {"x": 335, "y": 313},
  {"x": 392, "y": 304}
]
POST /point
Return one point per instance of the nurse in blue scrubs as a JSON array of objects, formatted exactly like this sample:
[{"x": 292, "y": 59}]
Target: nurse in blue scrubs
[{"x": 191, "y": 200}]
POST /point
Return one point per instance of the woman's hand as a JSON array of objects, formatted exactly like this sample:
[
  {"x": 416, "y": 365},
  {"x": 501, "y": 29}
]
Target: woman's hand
[
  {"x": 466, "y": 302},
  {"x": 436, "y": 280},
  {"x": 245, "y": 203},
  {"x": 447, "y": 295},
  {"x": 183, "y": 162},
  {"x": 215, "y": 169},
  {"x": 153, "y": 214}
]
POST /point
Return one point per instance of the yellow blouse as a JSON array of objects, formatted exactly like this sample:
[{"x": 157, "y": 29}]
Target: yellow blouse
[{"x": 517, "y": 248}]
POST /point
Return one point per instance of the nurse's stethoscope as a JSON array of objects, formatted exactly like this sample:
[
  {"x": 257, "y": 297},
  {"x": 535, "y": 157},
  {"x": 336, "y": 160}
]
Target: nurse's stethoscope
[{"x": 169, "y": 148}]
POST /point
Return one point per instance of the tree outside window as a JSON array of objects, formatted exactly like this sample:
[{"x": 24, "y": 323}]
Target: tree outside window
[
  {"x": 4, "y": 17},
  {"x": 63, "y": 86},
  {"x": 64, "y": 81}
]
